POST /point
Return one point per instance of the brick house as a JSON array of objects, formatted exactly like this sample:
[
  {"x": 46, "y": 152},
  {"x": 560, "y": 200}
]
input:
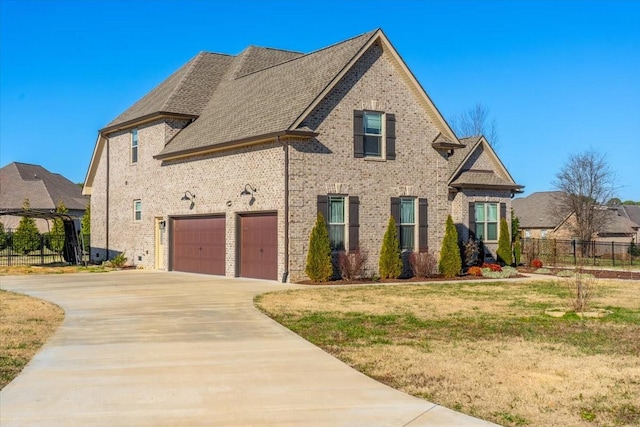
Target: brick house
[
  {"x": 222, "y": 168},
  {"x": 540, "y": 219}
]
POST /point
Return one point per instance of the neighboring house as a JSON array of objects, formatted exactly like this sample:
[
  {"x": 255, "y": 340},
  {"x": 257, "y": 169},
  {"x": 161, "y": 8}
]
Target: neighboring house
[
  {"x": 223, "y": 167},
  {"x": 538, "y": 220},
  {"x": 632, "y": 212},
  {"x": 536, "y": 216},
  {"x": 43, "y": 189}
]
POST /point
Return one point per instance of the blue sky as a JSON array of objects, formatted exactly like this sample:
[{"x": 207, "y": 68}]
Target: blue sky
[{"x": 558, "y": 77}]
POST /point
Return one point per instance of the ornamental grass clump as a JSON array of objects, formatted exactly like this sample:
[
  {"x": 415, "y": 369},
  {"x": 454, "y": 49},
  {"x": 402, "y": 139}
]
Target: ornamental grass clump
[{"x": 503, "y": 273}]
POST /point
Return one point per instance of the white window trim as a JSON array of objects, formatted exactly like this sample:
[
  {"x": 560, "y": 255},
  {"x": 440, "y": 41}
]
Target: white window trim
[
  {"x": 486, "y": 221},
  {"x": 136, "y": 210},
  {"x": 414, "y": 224},
  {"x": 345, "y": 210},
  {"x": 136, "y": 146},
  {"x": 383, "y": 136}
]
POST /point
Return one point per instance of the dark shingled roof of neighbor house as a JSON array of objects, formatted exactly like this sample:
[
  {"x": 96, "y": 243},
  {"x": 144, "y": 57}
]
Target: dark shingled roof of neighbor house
[
  {"x": 19, "y": 181},
  {"x": 535, "y": 210}
]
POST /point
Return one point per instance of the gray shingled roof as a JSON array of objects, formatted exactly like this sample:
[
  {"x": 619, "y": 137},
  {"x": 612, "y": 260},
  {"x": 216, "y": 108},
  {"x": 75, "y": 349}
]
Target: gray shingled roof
[
  {"x": 460, "y": 154},
  {"x": 632, "y": 212},
  {"x": 266, "y": 101},
  {"x": 254, "y": 59},
  {"x": 43, "y": 188},
  {"x": 186, "y": 91},
  {"x": 481, "y": 179},
  {"x": 535, "y": 210},
  {"x": 616, "y": 222}
]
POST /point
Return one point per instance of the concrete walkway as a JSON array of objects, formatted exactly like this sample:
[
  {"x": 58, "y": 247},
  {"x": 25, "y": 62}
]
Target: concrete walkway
[{"x": 144, "y": 348}]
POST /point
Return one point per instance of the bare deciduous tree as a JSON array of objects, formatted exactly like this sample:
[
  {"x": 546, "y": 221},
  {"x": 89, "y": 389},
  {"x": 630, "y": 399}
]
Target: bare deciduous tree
[
  {"x": 476, "y": 121},
  {"x": 587, "y": 183}
]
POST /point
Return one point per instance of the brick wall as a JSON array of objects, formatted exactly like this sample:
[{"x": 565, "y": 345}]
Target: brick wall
[{"x": 327, "y": 164}]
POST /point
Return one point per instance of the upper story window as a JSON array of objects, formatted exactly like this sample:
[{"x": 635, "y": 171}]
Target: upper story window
[
  {"x": 137, "y": 210},
  {"x": 335, "y": 222},
  {"x": 374, "y": 135},
  {"x": 372, "y": 122},
  {"x": 543, "y": 234},
  {"x": 407, "y": 224},
  {"x": 134, "y": 146},
  {"x": 486, "y": 215}
]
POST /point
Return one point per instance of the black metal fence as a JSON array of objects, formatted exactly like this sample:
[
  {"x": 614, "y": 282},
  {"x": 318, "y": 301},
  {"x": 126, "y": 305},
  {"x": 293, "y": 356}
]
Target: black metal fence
[
  {"x": 36, "y": 249},
  {"x": 598, "y": 253}
]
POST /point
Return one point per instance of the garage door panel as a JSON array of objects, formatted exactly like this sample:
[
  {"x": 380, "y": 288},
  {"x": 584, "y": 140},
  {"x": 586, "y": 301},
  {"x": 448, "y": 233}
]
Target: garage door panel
[
  {"x": 259, "y": 246},
  {"x": 199, "y": 245}
]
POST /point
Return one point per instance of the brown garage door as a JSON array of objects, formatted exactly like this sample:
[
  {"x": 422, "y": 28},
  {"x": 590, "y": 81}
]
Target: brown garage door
[
  {"x": 198, "y": 245},
  {"x": 259, "y": 246}
]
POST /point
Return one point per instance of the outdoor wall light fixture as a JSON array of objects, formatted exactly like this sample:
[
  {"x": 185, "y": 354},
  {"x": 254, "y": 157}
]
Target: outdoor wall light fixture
[
  {"x": 188, "y": 195},
  {"x": 249, "y": 190}
]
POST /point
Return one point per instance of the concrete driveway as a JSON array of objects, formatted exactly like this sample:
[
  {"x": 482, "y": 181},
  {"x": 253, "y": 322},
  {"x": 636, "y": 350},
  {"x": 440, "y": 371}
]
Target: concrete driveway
[{"x": 142, "y": 348}]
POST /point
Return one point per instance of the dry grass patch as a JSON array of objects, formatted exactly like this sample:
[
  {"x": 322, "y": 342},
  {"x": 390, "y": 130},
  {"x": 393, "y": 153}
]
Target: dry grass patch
[
  {"x": 486, "y": 349},
  {"x": 50, "y": 269},
  {"x": 25, "y": 325}
]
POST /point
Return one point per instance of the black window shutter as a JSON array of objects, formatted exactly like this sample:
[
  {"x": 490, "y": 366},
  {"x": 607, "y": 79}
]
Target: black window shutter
[
  {"x": 395, "y": 209},
  {"x": 423, "y": 223},
  {"x": 391, "y": 136},
  {"x": 503, "y": 210},
  {"x": 472, "y": 221},
  {"x": 395, "y": 212},
  {"x": 354, "y": 223},
  {"x": 323, "y": 207},
  {"x": 358, "y": 133}
]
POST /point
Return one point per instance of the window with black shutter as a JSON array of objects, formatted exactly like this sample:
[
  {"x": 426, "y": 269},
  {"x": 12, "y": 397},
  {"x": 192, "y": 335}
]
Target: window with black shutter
[{"x": 374, "y": 134}]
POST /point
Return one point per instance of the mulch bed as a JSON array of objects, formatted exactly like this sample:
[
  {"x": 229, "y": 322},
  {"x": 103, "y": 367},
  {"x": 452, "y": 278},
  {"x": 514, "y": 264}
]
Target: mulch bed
[
  {"x": 599, "y": 274},
  {"x": 438, "y": 278}
]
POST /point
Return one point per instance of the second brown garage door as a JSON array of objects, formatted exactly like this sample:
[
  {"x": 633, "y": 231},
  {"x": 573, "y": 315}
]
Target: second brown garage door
[
  {"x": 198, "y": 245},
  {"x": 259, "y": 246}
]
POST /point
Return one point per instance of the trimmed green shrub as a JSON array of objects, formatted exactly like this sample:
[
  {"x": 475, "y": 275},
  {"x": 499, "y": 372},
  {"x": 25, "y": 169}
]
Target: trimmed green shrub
[
  {"x": 85, "y": 227},
  {"x": 3, "y": 237},
  {"x": 450, "y": 262},
  {"x": 517, "y": 250},
  {"x": 390, "y": 263},
  {"x": 26, "y": 238},
  {"x": 319, "y": 267},
  {"x": 504, "y": 244},
  {"x": 55, "y": 240}
]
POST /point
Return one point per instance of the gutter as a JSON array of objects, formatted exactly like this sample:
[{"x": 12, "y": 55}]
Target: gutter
[
  {"x": 107, "y": 204},
  {"x": 285, "y": 145},
  {"x": 234, "y": 144}
]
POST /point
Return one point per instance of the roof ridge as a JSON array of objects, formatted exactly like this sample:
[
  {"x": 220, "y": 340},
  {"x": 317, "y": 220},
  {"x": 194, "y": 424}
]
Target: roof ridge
[
  {"x": 191, "y": 66},
  {"x": 306, "y": 55}
]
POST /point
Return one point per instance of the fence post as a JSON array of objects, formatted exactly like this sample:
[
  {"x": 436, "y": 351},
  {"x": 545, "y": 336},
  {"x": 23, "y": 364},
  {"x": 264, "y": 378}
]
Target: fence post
[
  {"x": 10, "y": 252},
  {"x": 573, "y": 244},
  {"x": 41, "y": 249},
  {"x": 613, "y": 254}
]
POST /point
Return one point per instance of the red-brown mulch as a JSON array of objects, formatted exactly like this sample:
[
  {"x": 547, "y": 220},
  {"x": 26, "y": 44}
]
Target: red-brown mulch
[
  {"x": 437, "y": 278},
  {"x": 599, "y": 274}
]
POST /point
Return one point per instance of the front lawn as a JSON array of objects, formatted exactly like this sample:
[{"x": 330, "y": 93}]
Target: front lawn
[
  {"x": 25, "y": 325},
  {"x": 486, "y": 349}
]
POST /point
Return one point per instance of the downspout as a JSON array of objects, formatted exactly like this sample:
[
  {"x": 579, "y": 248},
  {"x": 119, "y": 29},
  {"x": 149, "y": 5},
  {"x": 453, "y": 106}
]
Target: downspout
[
  {"x": 286, "y": 210},
  {"x": 107, "y": 205}
]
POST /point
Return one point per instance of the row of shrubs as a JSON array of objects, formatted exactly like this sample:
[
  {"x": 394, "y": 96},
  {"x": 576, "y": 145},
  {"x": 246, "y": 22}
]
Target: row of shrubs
[{"x": 319, "y": 267}]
